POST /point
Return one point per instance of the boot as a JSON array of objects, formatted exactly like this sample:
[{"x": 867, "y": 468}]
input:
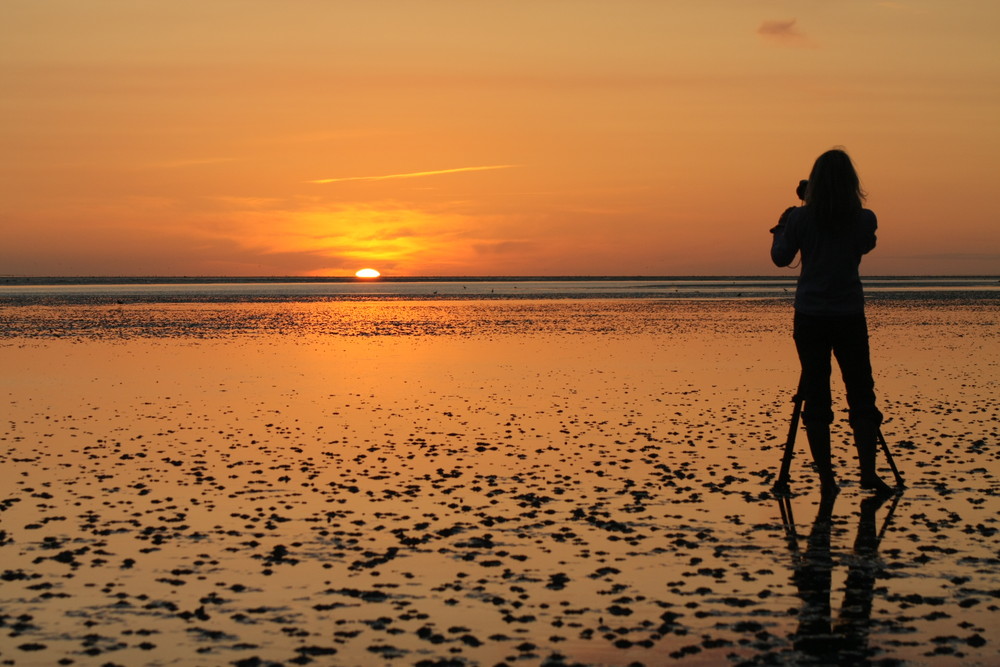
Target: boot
[
  {"x": 865, "y": 442},
  {"x": 819, "y": 444}
]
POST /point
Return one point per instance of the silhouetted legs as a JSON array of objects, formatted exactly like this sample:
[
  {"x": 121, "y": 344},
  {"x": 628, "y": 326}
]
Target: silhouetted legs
[
  {"x": 818, "y": 436},
  {"x": 846, "y": 642},
  {"x": 854, "y": 621},
  {"x": 812, "y": 576},
  {"x": 846, "y": 338}
]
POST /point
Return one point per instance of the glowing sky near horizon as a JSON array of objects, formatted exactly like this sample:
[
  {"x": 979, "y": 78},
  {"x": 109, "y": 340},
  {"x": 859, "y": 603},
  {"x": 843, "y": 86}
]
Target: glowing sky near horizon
[{"x": 473, "y": 137}]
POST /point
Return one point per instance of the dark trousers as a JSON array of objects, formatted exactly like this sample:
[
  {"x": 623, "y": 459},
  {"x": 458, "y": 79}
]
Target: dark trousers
[{"x": 846, "y": 338}]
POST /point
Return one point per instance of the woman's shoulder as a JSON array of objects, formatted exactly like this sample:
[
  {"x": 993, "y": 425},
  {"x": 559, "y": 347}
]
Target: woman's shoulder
[{"x": 795, "y": 212}]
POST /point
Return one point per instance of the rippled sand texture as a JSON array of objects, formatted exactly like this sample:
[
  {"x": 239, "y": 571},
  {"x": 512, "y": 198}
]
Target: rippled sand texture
[{"x": 483, "y": 483}]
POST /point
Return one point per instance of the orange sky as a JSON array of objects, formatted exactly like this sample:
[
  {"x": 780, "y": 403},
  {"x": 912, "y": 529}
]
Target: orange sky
[{"x": 472, "y": 137}]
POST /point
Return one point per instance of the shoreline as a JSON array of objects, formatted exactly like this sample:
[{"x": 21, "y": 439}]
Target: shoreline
[
  {"x": 130, "y": 279},
  {"x": 214, "y": 317}
]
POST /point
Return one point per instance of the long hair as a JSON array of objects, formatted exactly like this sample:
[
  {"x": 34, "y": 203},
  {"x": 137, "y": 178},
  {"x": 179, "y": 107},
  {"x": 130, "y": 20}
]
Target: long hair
[{"x": 834, "y": 193}]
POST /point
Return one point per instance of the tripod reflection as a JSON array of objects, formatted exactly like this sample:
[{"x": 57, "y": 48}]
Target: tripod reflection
[{"x": 818, "y": 635}]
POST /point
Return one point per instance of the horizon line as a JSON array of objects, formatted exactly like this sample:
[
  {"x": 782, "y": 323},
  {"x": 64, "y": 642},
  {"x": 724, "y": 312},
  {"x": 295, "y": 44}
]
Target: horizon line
[{"x": 22, "y": 279}]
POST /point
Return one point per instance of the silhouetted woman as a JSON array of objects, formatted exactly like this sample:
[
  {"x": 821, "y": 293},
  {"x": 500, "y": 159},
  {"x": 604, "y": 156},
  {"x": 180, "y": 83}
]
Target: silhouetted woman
[{"x": 832, "y": 231}]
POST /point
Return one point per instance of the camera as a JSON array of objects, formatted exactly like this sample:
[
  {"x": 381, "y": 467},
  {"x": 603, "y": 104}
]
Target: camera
[{"x": 800, "y": 191}]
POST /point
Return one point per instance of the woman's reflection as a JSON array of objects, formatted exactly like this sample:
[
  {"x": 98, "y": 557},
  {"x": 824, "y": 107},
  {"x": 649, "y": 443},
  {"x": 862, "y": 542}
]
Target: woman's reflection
[{"x": 846, "y": 641}]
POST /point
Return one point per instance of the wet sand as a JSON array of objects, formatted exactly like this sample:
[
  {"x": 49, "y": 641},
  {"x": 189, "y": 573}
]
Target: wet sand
[{"x": 484, "y": 483}]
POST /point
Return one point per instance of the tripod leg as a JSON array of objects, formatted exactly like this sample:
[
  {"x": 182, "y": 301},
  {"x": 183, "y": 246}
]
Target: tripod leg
[
  {"x": 888, "y": 518},
  {"x": 888, "y": 457},
  {"x": 788, "y": 522},
  {"x": 781, "y": 486}
]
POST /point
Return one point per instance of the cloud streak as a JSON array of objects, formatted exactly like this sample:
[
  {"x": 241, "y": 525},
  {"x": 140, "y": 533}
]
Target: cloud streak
[
  {"x": 785, "y": 32},
  {"x": 415, "y": 174}
]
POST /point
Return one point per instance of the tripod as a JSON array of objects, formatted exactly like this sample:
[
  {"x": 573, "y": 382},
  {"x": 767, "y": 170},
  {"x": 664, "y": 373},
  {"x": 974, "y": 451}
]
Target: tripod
[{"x": 781, "y": 486}]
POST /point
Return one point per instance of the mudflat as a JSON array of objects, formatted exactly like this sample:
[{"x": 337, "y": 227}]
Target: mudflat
[{"x": 484, "y": 483}]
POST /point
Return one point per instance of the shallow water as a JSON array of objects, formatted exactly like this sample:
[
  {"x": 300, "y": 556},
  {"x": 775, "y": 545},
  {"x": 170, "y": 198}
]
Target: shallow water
[
  {"x": 20, "y": 290},
  {"x": 515, "y": 482}
]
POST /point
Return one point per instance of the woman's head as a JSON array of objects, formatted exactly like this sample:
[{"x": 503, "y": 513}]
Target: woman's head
[{"x": 834, "y": 190}]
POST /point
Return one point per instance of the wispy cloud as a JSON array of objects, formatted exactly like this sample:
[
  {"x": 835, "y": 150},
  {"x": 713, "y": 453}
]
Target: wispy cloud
[
  {"x": 503, "y": 247},
  {"x": 784, "y": 32},
  {"x": 414, "y": 174}
]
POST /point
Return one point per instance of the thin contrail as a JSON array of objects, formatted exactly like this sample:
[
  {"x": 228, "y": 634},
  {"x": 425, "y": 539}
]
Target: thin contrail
[{"x": 415, "y": 174}]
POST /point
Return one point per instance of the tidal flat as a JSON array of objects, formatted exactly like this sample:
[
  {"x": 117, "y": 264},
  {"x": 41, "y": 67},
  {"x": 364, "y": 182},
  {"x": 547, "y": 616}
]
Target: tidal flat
[{"x": 581, "y": 482}]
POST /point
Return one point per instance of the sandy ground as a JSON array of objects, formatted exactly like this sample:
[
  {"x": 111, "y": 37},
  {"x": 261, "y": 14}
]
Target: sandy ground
[{"x": 428, "y": 483}]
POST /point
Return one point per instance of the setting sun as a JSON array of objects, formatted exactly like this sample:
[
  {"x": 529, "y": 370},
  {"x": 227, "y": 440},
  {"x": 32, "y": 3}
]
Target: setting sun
[{"x": 367, "y": 273}]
